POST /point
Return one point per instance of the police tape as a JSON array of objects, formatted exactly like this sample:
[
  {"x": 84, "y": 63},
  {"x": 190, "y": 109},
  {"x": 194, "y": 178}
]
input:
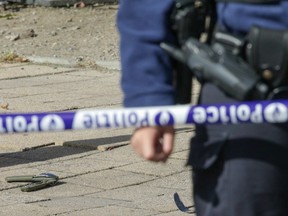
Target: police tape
[{"x": 244, "y": 112}]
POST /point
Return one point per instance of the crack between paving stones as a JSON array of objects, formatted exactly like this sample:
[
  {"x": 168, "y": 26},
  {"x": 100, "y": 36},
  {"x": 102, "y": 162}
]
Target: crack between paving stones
[
  {"x": 37, "y": 201},
  {"x": 84, "y": 209},
  {"x": 9, "y": 188},
  {"x": 38, "y": 75},
  {"x": 139, "y": 183}
]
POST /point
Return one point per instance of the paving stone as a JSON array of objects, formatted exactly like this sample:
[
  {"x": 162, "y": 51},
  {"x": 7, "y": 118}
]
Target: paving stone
[
  {"x": 183, "y": 155},
  {"x": 143, "y": 197},
  {"x": 66, "y": 188},
  {"x": 81, "y": 166},
  {"x": 179, "y": 181},
  {"x": 161, "y": 203},
  {"x": 24, "y": 209},
  {"x": 70, "y": 204},
  {"x": 172, "y": 166},
  {"x": 176, "y": 213},
  {"x": 109, "y": 179},
  {"x": 134, "y": 192},
  {"x": 28, "y": 70},
  {"x": 16, "y": 196},
  {"x": 112, "y": 210}
]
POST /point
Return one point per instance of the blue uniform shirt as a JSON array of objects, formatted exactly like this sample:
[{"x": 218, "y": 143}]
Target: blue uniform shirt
[{"x": 147, "y": 77}]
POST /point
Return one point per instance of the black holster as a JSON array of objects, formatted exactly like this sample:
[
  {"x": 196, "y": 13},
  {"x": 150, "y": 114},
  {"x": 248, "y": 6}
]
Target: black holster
[{"x": 267, "y": 53}]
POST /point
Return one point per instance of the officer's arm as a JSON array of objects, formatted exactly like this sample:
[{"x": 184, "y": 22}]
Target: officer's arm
[{"x": 146, "y": 69}]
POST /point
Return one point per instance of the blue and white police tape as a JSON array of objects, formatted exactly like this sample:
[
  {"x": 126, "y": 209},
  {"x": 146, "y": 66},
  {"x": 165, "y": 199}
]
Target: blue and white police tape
[{"x": 244, "y": 112}]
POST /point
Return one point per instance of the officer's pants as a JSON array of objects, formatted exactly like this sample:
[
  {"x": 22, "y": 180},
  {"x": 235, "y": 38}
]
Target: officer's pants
[{"x": 239, "y": 170}]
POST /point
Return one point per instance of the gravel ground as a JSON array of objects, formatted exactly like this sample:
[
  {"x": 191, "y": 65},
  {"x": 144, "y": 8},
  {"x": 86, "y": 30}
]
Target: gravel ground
[{"x": 86, "y": 34}]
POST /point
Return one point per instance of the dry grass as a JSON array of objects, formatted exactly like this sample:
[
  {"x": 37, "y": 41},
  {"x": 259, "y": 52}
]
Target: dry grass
[{"x": 11, "y": 57}]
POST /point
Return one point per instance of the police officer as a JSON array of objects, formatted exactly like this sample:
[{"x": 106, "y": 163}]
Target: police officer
[{"x": 237, "y": 169}]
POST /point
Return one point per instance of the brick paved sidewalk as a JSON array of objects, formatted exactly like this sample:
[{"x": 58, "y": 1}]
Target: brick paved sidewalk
[{"x": 96, "y": 177}]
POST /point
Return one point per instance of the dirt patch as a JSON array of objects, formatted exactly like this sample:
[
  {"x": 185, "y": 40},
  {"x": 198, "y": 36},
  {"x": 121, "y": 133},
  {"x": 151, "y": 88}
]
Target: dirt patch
[{"x": 82, "y": 34}]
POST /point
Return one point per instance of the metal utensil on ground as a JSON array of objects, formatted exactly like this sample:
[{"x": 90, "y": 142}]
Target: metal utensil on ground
[{"x": 40, "y": 181}]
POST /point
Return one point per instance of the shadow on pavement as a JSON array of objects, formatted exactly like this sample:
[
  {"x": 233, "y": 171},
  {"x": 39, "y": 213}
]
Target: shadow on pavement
[
  {"x": 67, "y": 149},
  {"x": 58, "y": 151}
]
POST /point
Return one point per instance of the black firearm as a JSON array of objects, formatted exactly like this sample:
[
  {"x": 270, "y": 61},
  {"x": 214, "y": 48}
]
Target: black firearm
[
  {"x": 183, "y": 19},
  {"x": 213, "y": 64},
  {"x": 189, "y": 19}
]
